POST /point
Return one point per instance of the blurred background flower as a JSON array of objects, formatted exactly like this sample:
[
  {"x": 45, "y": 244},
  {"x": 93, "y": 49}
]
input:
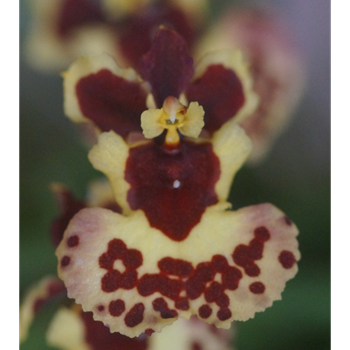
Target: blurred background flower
[{"x": 294, "y": 176}]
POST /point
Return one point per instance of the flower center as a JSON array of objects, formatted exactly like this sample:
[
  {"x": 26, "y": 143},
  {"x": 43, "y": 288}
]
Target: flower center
[{"x": 173, "y": 117}]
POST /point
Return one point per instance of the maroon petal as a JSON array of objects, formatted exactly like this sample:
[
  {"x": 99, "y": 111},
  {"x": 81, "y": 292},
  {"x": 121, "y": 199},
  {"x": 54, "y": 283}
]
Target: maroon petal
[
  {"x": 111, "y": 102},
  {"x": 167, "y": 66},
  {"x": 168, "y": 186},
  {"x": 220, "y": 92},
  {"x": 137, "y": 31},
  {"x": 76, "y": 13}
]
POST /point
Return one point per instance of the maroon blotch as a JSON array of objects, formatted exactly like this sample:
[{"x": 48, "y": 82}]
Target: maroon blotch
[
  {"x": 287, "y": 259},
  {"x": 116, "y": 307},
  {"x": 220, "y": 92},
  {"x": 65, "y": 261},
  {"x": 224, "y": 314},
  {"x": 111, "y": 102},
  {"x": 151, "y": 172},
  {"x": 205, "y": 311},
  {"x": 135, "y": 315},
  {"x": 257, "y": 288},
  {"x": 73, "y": 241}
]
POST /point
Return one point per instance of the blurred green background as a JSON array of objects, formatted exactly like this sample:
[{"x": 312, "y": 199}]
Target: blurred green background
[{"x": 295, "y": 177}]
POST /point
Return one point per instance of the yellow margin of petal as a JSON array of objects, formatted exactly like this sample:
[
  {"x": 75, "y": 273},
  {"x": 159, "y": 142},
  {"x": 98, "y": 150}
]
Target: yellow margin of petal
[
  {"x": 232, "y": 59},
  {"x": 83, "y": 67},
  {"x": 26, "y": 314},
  {"x": 66, "y": 331},
  {"x": 110, "y": 156},
  {"x": 232, "y": 145}
]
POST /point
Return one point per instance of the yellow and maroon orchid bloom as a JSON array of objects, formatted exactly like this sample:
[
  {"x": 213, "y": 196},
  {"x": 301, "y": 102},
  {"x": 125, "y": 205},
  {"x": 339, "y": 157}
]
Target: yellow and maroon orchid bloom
[{"x": 176, "y": 250}]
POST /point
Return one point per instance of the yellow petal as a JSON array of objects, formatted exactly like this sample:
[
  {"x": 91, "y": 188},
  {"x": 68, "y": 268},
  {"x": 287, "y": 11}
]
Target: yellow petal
[
  {"x": 149, "y": 123},
  {"x": 193, "y": 122},
  {"x": 232, "y": 146},
  {"x": 66, "y": 331},
  {"x": 109, "y": 156}
]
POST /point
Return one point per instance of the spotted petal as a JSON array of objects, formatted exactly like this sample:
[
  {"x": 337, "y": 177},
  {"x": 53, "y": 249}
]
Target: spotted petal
[{"x": 134, "y": 279}]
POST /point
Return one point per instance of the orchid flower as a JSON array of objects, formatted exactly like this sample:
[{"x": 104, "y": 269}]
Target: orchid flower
[
  {"x": 73, "y": 329},
  {"x": 176, "y": 250},
  {"x": 62, "y": 30},
  {"x": 276, "y": 65}
]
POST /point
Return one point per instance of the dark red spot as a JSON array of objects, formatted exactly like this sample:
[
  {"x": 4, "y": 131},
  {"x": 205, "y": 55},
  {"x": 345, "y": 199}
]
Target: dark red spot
[
  {"x": 182, "y": 304},
  {"x": 205, "y": 311},
  {"x": 170, "y": 288},
  {"x": 111, "y": 102},
  {"x": 65, "y": 261},
  {"x": 222, "y": 300},
  {"x": 161, "y": 305},
  {"x": 111, "y": 281},
  {"x": 98, "y": 337},
  {"x": 176, "y": 267},
  {"x": 116, "y": 250},
  {"x": 151, "y": 172},
  {"x": 219, "y": 263},
  {"x": 220, "y": 92},
  {"x": 287, "y": 259},
  {"x": 148, "y": 284},
  {"x": 135, "y": 315},
  {"x": 224, "y": 314},
  {"x": 132, "y": 259},
  {"x": 116, "y": 307},
  {"x": 149, "y": 331},
  {"x": 262, "y": 234},
  {"x": 257, "y": 288},
  {"x": 245, "y": 255},
  {"x": 231, "y": 277},
  {"x": 195, "y": 285},
  {"x": 73, "y": 241},
  {"x": 114, "y": 279},
  {"x": 77, "y": 13},
  {"x": 128, "y": 279},
  {"x": 111, "y": 205},
  {"x": 213, "y": 292},
  {"x": 167, "y": 66},
  {"x": 100, "y": 308}
]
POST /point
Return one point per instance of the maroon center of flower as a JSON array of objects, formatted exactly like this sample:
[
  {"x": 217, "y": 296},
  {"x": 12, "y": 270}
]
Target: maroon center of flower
[
  {"x": 76, "y": 13},
  {"x": 172, "y": 188},
  {"x": 221, "y": 94},
  {"x": 111, "y": 102}
]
